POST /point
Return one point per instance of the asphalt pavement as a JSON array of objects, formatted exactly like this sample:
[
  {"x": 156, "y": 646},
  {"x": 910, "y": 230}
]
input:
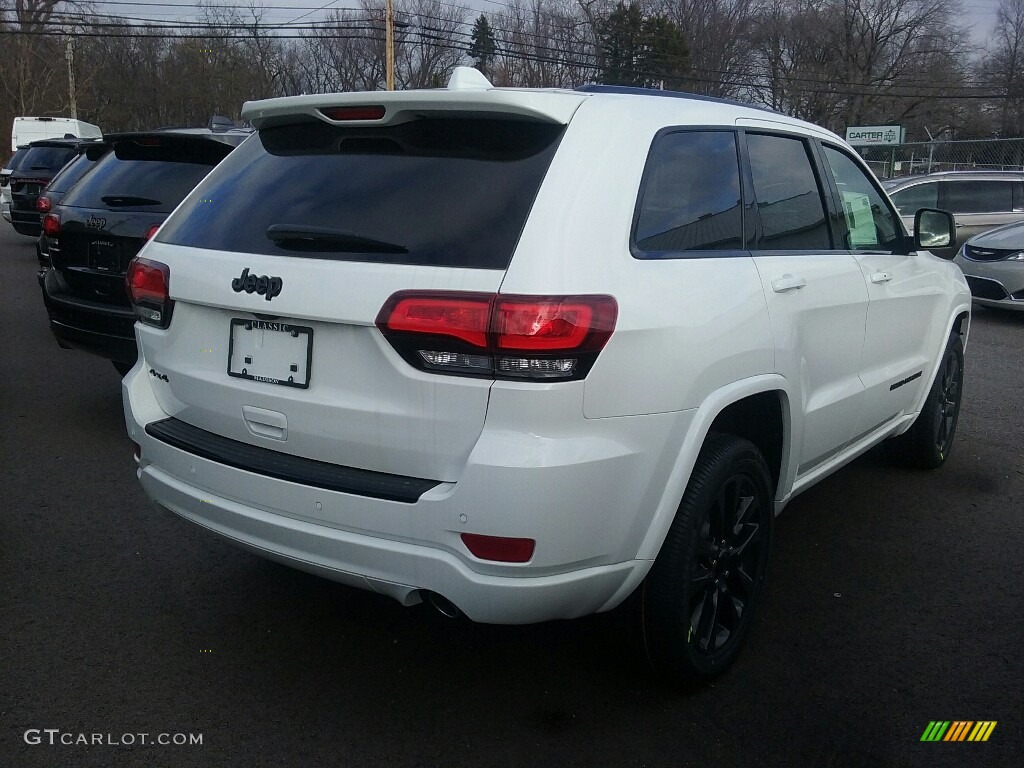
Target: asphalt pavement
[{"x": 896, "y": 598}]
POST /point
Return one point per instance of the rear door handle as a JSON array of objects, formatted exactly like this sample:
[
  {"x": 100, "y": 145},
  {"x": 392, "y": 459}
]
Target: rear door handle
[
  {"x": 881, "y": 277},
  {"x": 788, "y": 283}
]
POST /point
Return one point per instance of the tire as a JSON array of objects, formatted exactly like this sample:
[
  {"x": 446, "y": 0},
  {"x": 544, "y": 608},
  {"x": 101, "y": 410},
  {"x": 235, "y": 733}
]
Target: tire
[
  {"x": 926, "y": 445},
  {"x": 700, "y": 598},
  {"x": 122, "y": 368}
]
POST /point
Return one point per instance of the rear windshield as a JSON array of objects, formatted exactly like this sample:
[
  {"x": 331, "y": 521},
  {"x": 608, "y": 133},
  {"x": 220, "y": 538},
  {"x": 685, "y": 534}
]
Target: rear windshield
[
  {"x": 48, "y": 159},
  {"x": 435, "y": 192},
  {"x": 152, "y": 177}
]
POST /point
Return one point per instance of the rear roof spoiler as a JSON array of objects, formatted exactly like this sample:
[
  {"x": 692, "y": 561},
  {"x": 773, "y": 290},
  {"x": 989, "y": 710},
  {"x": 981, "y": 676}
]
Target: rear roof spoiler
[{"x": 468, "y": 91}]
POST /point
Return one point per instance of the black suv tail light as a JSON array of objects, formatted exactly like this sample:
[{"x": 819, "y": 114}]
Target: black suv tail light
[
  {"x": 43, "y": 204},
  {"x": 148, "y": 285},
  {"x": 51, "y": 225},
  {"x": 551, "y": 338}
]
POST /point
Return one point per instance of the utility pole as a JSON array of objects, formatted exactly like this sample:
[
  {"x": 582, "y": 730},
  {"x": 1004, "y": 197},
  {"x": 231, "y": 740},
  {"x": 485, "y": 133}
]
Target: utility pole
[
  {"x": 69, "y": 54},
  {"x": 389, "y": 45}
]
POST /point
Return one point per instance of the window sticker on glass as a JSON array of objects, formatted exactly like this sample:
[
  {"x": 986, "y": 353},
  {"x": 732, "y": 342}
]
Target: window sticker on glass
[{"x": 860, "y": 220}]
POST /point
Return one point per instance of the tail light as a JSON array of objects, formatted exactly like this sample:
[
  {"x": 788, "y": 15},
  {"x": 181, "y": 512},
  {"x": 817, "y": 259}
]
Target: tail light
[
  {"x": 153, "y": 229},
  {"x": 51, "y": 225},
  {"x": 497, "y": 335},
  {"x": 148, "y": 286},
  {"x": 43, "y": 204}
]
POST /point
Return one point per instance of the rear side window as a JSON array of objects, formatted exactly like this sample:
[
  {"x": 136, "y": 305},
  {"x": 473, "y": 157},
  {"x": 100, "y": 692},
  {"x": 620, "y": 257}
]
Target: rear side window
[
  {"x": 978, "y": 196},
  {"x": 152, "y": 177},
  {"x": 788, "y": 197},
  {"x": 48, "y": 159},
  {"x": 71, "y": 173},
  {"x": 691, "y": 195},
  {"x": 16, "y": 160},
  {"x": 434, "y": 192},
  {"x": 918, "y": 196}
]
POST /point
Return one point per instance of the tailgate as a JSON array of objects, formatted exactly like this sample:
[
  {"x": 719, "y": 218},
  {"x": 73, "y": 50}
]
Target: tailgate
[{"x": 282, "y": 259}]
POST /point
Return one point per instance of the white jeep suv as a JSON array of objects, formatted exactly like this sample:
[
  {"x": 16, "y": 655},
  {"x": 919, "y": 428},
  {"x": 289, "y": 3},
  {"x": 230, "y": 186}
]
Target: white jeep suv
[{"x": 525, "y": 353}]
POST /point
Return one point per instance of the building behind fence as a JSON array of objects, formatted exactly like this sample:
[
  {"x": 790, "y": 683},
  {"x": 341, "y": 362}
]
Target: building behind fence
[{"x": 932, "y": 156}]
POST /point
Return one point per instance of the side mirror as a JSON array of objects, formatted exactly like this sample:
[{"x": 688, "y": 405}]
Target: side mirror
[{"x": 933, "y": 229}]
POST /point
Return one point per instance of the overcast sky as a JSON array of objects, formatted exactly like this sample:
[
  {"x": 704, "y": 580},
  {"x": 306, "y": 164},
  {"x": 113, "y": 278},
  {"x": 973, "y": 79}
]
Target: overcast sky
[{"x": 979, "y": 14}]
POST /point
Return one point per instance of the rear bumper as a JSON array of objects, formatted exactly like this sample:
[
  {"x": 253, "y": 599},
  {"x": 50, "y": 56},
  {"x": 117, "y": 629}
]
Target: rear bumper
[
  {"x": 107, "y": 331},
  {"x": 587, "y": 504}
]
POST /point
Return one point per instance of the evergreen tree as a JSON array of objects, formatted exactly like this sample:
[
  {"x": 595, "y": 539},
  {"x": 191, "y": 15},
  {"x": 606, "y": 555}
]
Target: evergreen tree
[
  {"x": 647, "y": 52},
  {"x": 482, "y": 48}
]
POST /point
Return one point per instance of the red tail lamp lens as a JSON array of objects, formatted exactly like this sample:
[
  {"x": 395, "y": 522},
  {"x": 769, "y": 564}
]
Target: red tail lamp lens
[
  {"x": 500, "y": 549},
  {"x": 152, "y": 231},
  {"x": 51, "y": 225},
  {"x": 463, "y": 316},
  {"x": 148, "y": 281},
  {"x": 43, "y": 204},
  {"x": 553, "y": 323},
  {"x": 375, "y": 112}
]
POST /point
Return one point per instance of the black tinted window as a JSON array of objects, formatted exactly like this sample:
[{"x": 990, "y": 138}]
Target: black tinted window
[
  {"x": 154, "y": 177},
  {"x": 70, "y": 173},
  {"x": 691, "y": 194},
  {"x": 788, "y": 198},
  {"x": 978, "y": 196},
  {"x": 918, "y": 196},
  {"x": 439, "y": 192},
  {"x": 16, "y": 159},
  {"x": 46, "y": 159}
]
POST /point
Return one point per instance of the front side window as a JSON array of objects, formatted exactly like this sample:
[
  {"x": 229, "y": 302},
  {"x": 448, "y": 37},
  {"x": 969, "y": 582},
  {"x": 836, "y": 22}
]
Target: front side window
[
  {"x": 691, "y": 195},
  {"x": 870, "y": 223},
  {"x": 978, "y": 196},
  {"x": 788, "y": 197},
  {"x": 913, "y": 198}
]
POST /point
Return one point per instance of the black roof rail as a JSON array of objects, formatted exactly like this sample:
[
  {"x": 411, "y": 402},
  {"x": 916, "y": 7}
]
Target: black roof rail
[{"x": 634, "y": 91}]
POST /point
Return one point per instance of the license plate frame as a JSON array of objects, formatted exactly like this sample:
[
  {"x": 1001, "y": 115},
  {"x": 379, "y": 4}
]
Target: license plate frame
[
  {"x": 242, "y": 341},
  {"x": 105, "y": 256}
]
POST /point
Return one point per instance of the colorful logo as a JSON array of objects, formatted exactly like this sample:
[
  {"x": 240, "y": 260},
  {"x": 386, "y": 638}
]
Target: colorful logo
[{"x": 958, "y": 730}]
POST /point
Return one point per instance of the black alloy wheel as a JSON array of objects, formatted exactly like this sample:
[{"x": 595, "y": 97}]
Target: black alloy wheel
[{"x": 701, "y": 596}]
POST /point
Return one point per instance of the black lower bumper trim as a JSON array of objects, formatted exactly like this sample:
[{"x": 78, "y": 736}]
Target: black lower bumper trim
[{"x": 294, "y": 469}]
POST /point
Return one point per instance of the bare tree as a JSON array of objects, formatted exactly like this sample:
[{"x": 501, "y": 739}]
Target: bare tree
[{"x": 1003, "y": 68}]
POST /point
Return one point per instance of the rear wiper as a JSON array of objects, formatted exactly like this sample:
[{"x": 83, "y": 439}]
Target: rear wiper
[
  {"x": 302, "y": 238},
  {"x": 122, "y": 200}
]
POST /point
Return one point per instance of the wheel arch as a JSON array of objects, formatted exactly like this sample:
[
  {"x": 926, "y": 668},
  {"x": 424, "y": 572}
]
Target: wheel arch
[{"x": 749, "y": 408}]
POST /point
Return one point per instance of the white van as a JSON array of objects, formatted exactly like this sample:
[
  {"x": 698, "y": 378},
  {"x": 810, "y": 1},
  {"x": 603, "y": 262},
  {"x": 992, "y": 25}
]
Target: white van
[{"x": 28, "y": 129}]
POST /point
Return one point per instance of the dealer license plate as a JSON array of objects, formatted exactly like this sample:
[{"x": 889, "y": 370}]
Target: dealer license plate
[{"x": 272, "y": 352}]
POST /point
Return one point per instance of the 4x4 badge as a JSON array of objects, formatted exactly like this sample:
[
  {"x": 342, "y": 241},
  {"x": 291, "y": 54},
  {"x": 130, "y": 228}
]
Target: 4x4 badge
[{"x": 263, "y": 285}]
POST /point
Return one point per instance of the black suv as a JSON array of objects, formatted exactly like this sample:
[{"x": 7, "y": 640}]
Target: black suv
[
  {"x": 37, "y": 167},
  {"x": 60, "y": 185},
  {"x": 106, "y": 218}
]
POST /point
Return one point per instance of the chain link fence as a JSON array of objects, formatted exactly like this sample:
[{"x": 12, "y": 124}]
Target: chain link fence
[{"x": 932, "y": 156}]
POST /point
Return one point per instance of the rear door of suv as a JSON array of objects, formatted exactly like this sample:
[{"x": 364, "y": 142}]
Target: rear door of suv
[
  {"x": 815, "y": 291},
  {"x": 281, "y": 264}
]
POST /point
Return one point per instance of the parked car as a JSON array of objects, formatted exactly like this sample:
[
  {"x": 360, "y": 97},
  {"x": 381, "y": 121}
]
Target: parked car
[
  {"x": 979, "y": 200},
  {"x": 54, "y": 192},
  {"x": 102, "y": 222},
  {"x": 40, "y": 164},
  {"x": 525, "y": 353},
  {"x": 993, "y": 263},
  {"x": 5, "y": 176}
]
